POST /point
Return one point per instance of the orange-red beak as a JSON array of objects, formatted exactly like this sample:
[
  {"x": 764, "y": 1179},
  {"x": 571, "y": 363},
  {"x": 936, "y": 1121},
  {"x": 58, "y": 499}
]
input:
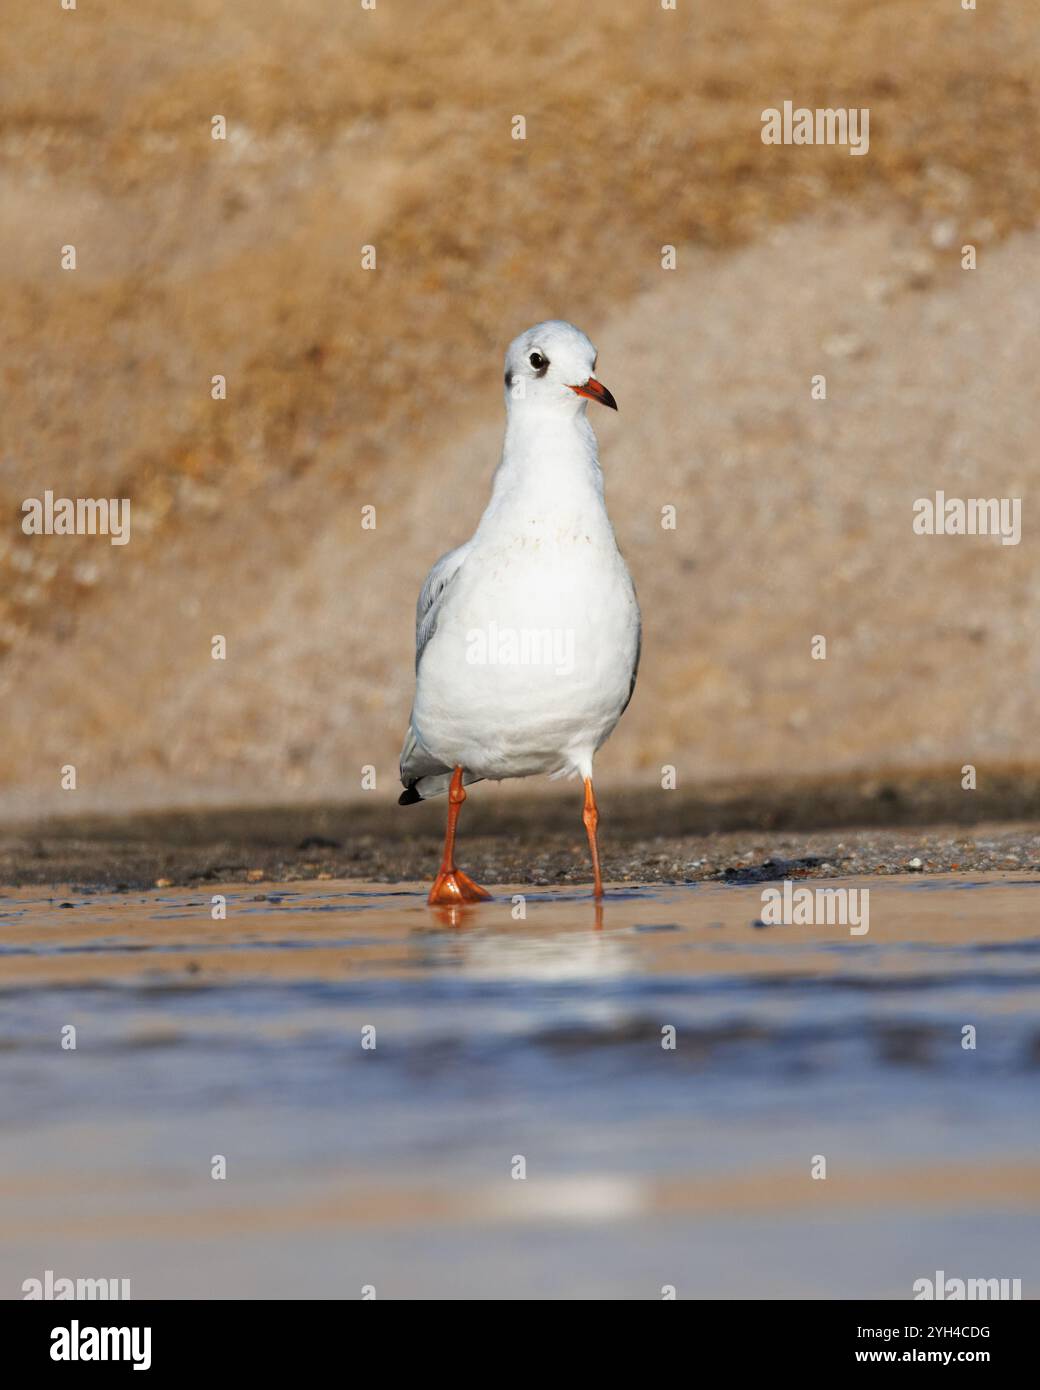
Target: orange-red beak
[{"x": 596, "y": 391}]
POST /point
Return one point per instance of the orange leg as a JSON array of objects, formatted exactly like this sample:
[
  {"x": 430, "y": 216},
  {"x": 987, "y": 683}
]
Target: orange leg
[
  {"x": 452, "y": 885},
  {"x": 590, "y": 815}
]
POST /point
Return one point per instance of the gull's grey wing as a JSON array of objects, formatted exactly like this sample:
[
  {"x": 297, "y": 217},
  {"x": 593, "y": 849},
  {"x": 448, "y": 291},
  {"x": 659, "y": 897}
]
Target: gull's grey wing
[
  {"x": 431, "y": 594},
  {"x": 635, "y": 666},
  {"x": 419, "y": 766},
  {"x": 422, "y": 775}
]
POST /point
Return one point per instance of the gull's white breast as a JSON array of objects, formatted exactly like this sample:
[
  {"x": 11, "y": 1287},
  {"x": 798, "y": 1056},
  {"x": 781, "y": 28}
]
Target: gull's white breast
[{"x": 535, "y": 648}]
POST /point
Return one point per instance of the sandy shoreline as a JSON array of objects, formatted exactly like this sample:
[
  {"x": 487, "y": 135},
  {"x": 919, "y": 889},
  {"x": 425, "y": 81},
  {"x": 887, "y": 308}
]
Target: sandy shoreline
[{"x": 878, "y": 826}]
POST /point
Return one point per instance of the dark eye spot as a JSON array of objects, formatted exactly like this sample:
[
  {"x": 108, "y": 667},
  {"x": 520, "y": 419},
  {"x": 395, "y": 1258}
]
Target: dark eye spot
[{"x": 539, "y": 363}]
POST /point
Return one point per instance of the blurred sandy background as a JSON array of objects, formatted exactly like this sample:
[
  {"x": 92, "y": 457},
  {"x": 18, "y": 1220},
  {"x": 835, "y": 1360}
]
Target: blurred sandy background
[{"x": 346, "y": 388}]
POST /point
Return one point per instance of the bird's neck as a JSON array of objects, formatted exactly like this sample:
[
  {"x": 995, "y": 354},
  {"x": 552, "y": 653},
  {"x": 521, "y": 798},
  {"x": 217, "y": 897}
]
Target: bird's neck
[{"x": 549, "y": 469}]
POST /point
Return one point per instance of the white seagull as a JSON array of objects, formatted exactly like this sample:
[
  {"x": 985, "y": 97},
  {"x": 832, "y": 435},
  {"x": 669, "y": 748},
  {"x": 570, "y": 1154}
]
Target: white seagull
[{"x": 527, "y": 636}]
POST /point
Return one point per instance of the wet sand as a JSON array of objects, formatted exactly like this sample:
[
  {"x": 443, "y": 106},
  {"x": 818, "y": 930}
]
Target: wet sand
[{"x": 501, "y": 1037}]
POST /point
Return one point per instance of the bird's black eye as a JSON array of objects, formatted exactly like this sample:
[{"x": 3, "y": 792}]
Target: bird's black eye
[{"x": 538, "y": 362}]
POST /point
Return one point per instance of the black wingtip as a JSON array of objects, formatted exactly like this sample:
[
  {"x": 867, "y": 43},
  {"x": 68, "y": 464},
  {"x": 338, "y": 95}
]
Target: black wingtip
[{"x": 409, "y": 796}]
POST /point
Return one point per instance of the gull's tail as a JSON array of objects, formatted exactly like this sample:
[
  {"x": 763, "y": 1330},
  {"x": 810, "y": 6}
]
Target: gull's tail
[{"x": 422, "y": 775}]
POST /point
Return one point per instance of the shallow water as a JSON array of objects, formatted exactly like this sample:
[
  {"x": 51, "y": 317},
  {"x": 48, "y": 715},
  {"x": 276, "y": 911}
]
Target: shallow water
[{"x": 498, "y": 1037}]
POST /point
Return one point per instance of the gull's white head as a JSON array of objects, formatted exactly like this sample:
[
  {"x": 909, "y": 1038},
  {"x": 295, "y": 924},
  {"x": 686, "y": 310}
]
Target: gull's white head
[{"x": 549, "y": 368}]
